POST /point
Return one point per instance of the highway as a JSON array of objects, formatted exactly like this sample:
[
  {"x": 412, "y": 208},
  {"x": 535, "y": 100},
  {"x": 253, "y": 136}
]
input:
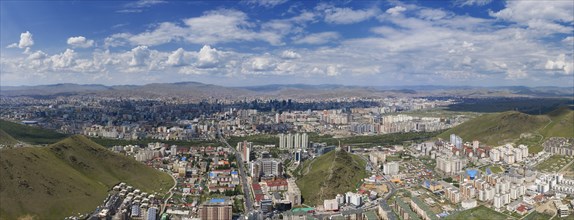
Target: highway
[{"x": 246, "y": 192}]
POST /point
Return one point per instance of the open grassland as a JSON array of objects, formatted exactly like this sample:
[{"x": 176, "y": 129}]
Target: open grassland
[
  {"x": 554, "y": 163},
  {"x": 478, "y": 213}
]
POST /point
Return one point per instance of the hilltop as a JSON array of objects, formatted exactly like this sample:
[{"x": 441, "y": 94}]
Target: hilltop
[
  {"x": 69, "y": 177},
  {"x": 330, "y": 174},
  {"x": 500, "y": 128}
]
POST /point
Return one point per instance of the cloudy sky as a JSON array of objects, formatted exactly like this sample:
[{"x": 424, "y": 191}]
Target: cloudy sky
[{"x": 255, "y": 42}]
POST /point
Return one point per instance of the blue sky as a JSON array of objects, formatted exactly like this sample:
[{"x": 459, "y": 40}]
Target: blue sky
[{"x": 256, "y": 42}]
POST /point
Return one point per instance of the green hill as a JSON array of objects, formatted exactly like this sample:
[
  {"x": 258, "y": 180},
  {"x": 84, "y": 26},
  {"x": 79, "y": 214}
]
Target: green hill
[
  {"x": 7, "y": 139},
  {"x": 500, "y": 128},
  {"x": 31, "y": 134},
  {"x": 326, "y": 176},
  {"x": 69, "y": 177}
]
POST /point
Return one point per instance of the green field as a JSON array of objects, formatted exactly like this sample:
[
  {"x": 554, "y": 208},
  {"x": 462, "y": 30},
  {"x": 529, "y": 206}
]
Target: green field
[
  {"x": 553, "y": 163},
  {"x": 31, "y": 134},
  {"x": 478, "y": 213},
  {"x": 499, "y": 128},
  {"x": 493, "y": 168},
  {"x": 66, "y": 178},
  {"x": 336, "y": 172},
  {"x": 537, "y": 216},
  {"x": 260, "y": 139}
]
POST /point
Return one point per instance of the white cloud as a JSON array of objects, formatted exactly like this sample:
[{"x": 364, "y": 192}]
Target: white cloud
[
  {"x": 80, "y": 42},
  {"x": 265, "y": 3},
  {"x": 539, "y": 15},
  {"x": 38, "y": 55},
  {"x": 139, "y": 56},
  {"x": 432, "y": 14},
  {"x": 176, "y": 58},
  {"x": 562, "y": 64},
  {"x": 207, "y": 57},
  {"x": 462, "y": 3},
  {"x": 63, "y": 60},
  {"x": 514, "y": 74},
  {"x": 145, "y": 3},
  {"x": 25, "y": 41},
  {"x": 289, "y": 54},
  {"x": 397, "y": 10},
  {"x": 262, "y": 64},
  {"x": 348, "y": 15},
  {"x": 138, "y": 6},
  {"x": 333, "y": 70},
  {"x": 318, "y": 38},
  {"x": 218, "y": 26}
]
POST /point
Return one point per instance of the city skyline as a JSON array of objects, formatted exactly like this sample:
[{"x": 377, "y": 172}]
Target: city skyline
[{"x": 368, "y": 43}]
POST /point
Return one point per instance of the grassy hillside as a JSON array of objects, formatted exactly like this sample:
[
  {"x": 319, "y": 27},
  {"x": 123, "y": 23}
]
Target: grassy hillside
[
  {"x": 478, "y": 213},
  {"x": 326, "y": 176},
  {"x": 7, "y": 139},
  {"x": 31, "y": 134},
  {"x": 499, "y": 128},
  {"x": 562, "y": 124},
  {"x": 71, "y": 176}
]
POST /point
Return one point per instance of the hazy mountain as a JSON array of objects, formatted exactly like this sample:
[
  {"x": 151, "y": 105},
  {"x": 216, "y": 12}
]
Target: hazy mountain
[{"x": 199, "y": 91}]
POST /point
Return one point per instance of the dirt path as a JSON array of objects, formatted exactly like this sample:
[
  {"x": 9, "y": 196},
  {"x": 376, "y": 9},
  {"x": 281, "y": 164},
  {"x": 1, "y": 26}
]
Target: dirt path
[{"x": 330, "y": 176}]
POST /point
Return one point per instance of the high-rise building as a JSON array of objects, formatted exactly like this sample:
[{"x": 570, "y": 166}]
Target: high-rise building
[
  {"x": 255, "y": 170},
  {"x": 456, "y": 140},
  {"x": 282, "y": 141},
  {"x": 297, "y": 142},
  {"x": 271, "y": 167},
  {"x": 304, "y": 141},
  {"x": 245, "y": 149},
  {"x": 290, "y": 141},
  {"x": 450, "y": 164},
  {"x": 215, "y": 209},
  {"x": 391, "y": 168}
]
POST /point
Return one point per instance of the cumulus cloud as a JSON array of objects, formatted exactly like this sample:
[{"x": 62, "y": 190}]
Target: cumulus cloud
[
  {"x": 262, "y": 64},
  {"x": 561, "y": 64},
  {"x": 25, "y": 41},
  {"x": 347, "y": 15},
  {"x": 207, "y": 57},
  {"x": 397, "y": 10},
  {"x": 289, "y": 54},
  {"x": 63, "y": 60},
  {"x": 38, "y": 55},
  {"x": 318, "y": 38},
  {"x": 176, "y": 58},
  {"x": 139, "y": 56},
  {"x": 80, "y": 42}
]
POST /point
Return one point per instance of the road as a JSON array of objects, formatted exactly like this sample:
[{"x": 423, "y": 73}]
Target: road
[
  {"x": 245, "y": 186},
  {"x": 163, "y": 208}
]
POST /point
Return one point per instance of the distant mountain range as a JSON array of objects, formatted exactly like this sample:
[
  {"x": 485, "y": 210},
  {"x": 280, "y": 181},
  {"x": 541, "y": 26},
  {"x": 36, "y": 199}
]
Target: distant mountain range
[{"x": 199, "y": 91}]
